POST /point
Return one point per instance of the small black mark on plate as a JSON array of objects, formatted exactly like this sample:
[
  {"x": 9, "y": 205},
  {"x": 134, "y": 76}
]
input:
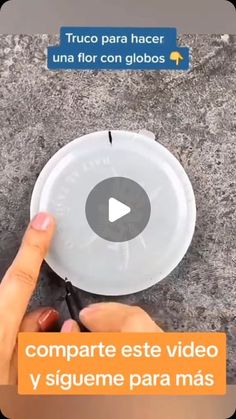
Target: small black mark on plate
[{"x": 110, "y": 137}]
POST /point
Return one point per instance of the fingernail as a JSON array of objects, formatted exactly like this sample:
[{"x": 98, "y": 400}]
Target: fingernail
[
  {"x": 41, "y": 221},
  {"x": 48, "y": 319},
  {"x": 88, "y": 311},
  {"x": 68, "y": 326}
]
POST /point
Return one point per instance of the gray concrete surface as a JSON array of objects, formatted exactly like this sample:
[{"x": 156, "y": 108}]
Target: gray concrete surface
[{"x": 192, "y": 114}]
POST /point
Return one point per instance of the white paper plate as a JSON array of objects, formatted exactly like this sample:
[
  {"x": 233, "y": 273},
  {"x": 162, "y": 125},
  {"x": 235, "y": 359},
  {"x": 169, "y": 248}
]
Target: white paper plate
[{"x": 91, "y": 262}]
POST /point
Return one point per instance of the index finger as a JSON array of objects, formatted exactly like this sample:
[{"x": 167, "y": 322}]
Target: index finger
[{"x": 20, "y": 280}]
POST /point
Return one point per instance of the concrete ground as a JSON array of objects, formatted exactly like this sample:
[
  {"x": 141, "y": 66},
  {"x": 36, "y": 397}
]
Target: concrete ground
[{"x": 192, "y": 114}]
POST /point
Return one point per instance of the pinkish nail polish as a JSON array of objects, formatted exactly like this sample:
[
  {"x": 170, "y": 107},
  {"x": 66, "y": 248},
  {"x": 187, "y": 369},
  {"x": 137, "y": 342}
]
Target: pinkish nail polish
[{"x": 41, "y": 221}]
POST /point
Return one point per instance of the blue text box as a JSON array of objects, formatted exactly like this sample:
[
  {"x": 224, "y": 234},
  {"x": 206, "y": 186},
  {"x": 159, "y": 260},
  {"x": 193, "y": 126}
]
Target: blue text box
[{"x": 85, "y": 48}]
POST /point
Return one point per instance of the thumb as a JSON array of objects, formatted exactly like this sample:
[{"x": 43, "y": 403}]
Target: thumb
[
  {"x": 116, "y": 317},
  {"x": 20, "y": 280}
]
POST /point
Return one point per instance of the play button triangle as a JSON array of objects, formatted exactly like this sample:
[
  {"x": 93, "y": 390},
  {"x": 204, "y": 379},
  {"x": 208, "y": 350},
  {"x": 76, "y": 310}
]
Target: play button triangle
[{"x": 117, "y": 210}]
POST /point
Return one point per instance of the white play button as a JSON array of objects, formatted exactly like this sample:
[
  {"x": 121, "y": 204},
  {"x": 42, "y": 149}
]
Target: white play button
[{"x": 117, "y": 210}]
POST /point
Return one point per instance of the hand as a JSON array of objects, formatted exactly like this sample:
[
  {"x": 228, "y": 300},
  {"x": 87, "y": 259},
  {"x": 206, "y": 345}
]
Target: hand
[
  {"x": 18, "y": 286},
  {"x": 113, "y": 317},
  {"x": 16, "y": 290}
]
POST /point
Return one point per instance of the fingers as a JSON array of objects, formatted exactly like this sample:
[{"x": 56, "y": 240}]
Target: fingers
[
  {"x": 43, "y": 319},
  {"x": 70, "y": 326},
  {"x": 115, "y": 317},
  {"x": 20, "y": 280}
]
